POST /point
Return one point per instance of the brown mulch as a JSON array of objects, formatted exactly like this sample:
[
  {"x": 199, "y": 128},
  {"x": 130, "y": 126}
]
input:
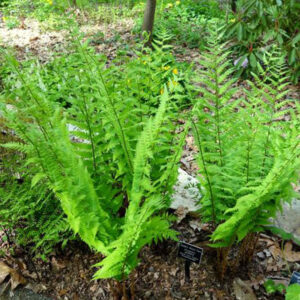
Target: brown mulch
[
  {"x": 160, "y": 274},
  {"x": 31, "y": 40}
]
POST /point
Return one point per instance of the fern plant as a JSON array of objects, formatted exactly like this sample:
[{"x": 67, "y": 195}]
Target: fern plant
[
  {"x": 110, "y": 161},
  {"x": 275, "y": 152},
  {"x": 30, "y": 216},
  {"x": 34, "y": 217},
  {"x": 212, "y": 131},
  {"x": 248, "y": 154}
]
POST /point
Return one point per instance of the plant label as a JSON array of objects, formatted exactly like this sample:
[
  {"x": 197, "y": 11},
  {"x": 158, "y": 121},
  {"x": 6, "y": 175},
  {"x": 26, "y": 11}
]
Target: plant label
[
  {"x": 190, "y": 252},
  {"x": 295, "y": 278}
]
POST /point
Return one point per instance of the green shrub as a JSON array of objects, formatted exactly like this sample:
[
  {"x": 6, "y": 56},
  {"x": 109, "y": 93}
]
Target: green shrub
[
  {"x": 117, "y": 176},
  {"x": 151, "y": 70},
  {"x": 248, "y": 147},
  {"x": 187, "y": 22},
  {"x": 292, "y": 292},
  {"x": 42, "y": 9},
  {"x": 11, "y": 22},
  {"x": 31, "y": 216},
  {"x": 258, "y": 25}
]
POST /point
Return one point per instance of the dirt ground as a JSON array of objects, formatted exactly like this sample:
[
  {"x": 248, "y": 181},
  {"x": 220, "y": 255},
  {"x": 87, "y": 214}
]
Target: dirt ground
[{"x": 160, "y": 274}]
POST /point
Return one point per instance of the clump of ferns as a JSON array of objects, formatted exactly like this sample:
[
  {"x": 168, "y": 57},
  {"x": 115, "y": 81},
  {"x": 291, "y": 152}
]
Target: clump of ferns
[
  {"x": 247, "y": 158},
  {"x": 116, "y": 184}
]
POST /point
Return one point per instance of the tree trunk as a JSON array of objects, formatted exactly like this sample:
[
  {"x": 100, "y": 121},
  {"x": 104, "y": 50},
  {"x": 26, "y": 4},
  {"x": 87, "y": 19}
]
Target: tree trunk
[
  {"x": 233, "y": 6},
  {"x": 149, "y": 19}
]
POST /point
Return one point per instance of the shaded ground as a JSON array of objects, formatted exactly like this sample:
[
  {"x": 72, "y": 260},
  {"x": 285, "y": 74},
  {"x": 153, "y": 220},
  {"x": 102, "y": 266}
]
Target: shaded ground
[
  {"x": 22, "y": 294},
  {"x": 160, "y": 274},
  {"x": 31, "y": 39}
]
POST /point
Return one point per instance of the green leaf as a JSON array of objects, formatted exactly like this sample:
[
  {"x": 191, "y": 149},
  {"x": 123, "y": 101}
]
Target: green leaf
[
  {"x": 240, "y": 31},
  {"x": 36, "y": 178},
  {"x": 296, "y": 39},
  {"x": 279, "y": 39},
  {"x": 260, "y": 9},
  {"x": 292, "y": 56},
  {"x": 252, "y": 60},
  {"x": 293, "y": 292},
  {"x": 270, "y": 286}
]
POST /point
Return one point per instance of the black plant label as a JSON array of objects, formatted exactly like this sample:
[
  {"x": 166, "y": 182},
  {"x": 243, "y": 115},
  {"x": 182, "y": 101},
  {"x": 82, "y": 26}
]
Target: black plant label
[
  {"x": 190, "y": 252},
  {"x": 295, "y": 278}
]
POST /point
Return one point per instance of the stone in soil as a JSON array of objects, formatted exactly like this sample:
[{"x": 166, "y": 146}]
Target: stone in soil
[
  {"x": 187, "y": 195},
  {"x": 20, "y": 294},
  {"x": 186, "y": 192},
  {"x": 289, "y": 219}
]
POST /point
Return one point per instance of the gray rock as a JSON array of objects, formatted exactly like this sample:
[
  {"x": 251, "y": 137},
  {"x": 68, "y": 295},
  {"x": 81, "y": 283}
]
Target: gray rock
[
  {"x": 186, "y": 192},
  {"x": 289, "y": 219},
  {"x": 261, "y": 255},
  {"x": 187, "y": 195},
  {"x": 22, "y": 294},
  {"x": 72, "y": 128},
  {"x": 267, "y": 253},
  {"x": 243, "y": 290}
]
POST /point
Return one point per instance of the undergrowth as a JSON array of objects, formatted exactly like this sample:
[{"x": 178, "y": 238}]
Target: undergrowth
[
  {"x": 109, "y": 153},
  {"x": 248, "y": 147},
  {"x": 31, "y": 217},
  {"x": 187, "y": 22}
]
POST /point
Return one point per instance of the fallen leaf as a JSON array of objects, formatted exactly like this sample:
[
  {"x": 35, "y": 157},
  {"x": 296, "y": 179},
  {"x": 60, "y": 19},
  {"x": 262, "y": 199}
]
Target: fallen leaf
[
  {"x": 261, "y": 255},
  {"x": 220, "y": 294},
  {"x": 242, "y": 290},
  {"x": 275, "y": 251},
  {"x": 181, "y": 213},
  {"x": 190, "y": 143},
  {"x": 15, "y": 278},
  {"x": 272, "y": 268},
  {"x": 62, "y": 292},
  {"x": 289, "y": 254},
  {"x": 35, "y": 38},
  {"x": 195, "y": 224},
  {"x": 4, "y": 271},
  {"x": 75, "y": 297},
  {"x": 174, "y": 271},
  {"x": 57, "y": 265},
  {"x": 21, "y": 264},
  {"x": 36, "y": 287},
  {"x": 255, "y": 283}
]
